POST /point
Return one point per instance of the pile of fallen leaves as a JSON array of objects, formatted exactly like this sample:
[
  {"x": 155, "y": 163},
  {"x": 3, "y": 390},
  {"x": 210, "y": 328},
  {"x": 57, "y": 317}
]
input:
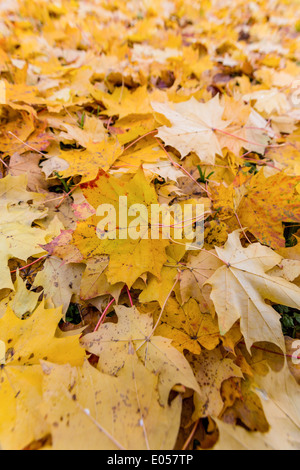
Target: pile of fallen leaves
[{"x": 144, "y": 344}]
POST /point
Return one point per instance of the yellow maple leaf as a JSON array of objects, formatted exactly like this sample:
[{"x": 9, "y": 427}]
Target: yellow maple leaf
[
  {"x": 111, "y": 343},
  {"x": 60, "y": 281},
  {"x": 123, "y": 102},
  {"x": 94, "y": 282},
  {"x": 20, "y": 396},
  {"x": 267, "y": 203},
  {"x": 87, "y": 409},
  {"x": 148, "y": 255},
  {"x": 88, "y": 162},
  {"x": 241, "y": 286},
  {"x": 188, "y": 327}
]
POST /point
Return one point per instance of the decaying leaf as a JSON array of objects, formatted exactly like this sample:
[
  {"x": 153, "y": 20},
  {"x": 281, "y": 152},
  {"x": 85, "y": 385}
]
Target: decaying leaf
[
  {"x": 60, "y": 281},
  {"x": 21, "y": 395},
  {"x": 279, "y": 394},
  {"x": 94, "y": 411},
  {"x": 211, "y": 369},
  {"x": 111, "y": 344}
]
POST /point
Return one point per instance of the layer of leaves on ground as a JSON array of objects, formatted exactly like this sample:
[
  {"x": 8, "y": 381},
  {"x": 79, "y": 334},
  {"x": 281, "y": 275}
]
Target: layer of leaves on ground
[{"x": 162, "y": 101}]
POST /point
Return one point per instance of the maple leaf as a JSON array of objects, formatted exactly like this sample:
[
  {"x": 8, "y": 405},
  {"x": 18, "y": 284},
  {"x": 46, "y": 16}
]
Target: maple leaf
[
  {"x": 241, "y": 286},
  {"x": 91, "y": 132},
  {"x": 87, "y": 162},
  {"x": 60, "y": 281},
  {"x": 165, "y": 170},
  {"x": 30, "y": 340},
  {"x": 279, "y": 394},
  {"x": 193, "y": 128},
  {"x": 102, "y": 412},
  {"x": 21, "y": 395},
  {"x": 224, "y": 200},
  {"x": 123, "y": 102},
  {"x": 13, "y": 191},
  {"x": 242, "y": 404},
  {"x": 148, "y": 255},
  {"x": 111, "y": 343},
  {"x": 188, "y": 327}
]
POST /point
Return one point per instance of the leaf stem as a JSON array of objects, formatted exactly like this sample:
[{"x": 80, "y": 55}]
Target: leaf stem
[
  {"x": 102, "y": 318},
  {"x": 28, "y": 265},
  {"x": 129, "y": 295},
  {"x": 140, "y": 138},
  {"x": 66, "y": 195}
]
